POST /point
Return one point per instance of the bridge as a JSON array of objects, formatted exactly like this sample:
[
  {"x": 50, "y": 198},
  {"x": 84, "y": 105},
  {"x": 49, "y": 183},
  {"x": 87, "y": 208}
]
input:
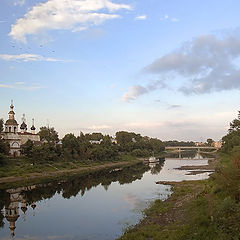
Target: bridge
[{"x": 179, "y": 148}]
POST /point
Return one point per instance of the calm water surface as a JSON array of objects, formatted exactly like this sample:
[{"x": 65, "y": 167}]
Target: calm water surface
[{"x": 94, "y": 207}]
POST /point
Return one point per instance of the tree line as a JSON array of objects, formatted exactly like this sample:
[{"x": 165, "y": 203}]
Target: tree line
[{"x": 94, "y": 146}]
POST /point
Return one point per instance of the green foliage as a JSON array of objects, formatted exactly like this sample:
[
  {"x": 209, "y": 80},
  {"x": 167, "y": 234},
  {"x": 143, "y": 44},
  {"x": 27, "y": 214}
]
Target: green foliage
[
  {"x": 44, "y": 153},
  {"x": 80, "y": 148},
  {"x": 104, "y": 151},
  {"x": 94, "y": 136},
  {"x": 227, "y": 219},
  {"x": 48, "y": 134},
  {"x": 4, "y": 147},
  {"x": 209, "y": 141},
  {"x": 27, "y": 148},
  {"x": 1, "y": 125},
  {"x": 232, "y": 139},
  {"x": 70, "y": 144},
  {"x": 140, "y": 153},
  {"x": 130, "y": 142},
  {"x": 4, "y": 150},
  {"x": 175, "y": 143}
]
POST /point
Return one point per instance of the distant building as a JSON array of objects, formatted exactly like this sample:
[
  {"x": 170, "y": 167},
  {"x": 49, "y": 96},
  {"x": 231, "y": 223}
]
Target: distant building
[
  {"x": 217, "y": 144},
  {"x": 15, "y": 138},
  {"x": 199, "y": 144},
  {"x": 114, "y": 140},
  {"x": 134, "y": 140},
  {"x": 96, "y": 141}
]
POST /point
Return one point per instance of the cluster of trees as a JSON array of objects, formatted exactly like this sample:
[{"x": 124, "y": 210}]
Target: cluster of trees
[
  {"x": 231, "y": 142},
  {"x": 80, "y": 148},
  {"x": 95, "y": 146},
  {"x": 4, "y": 147},
  {"x": 137, "y": 145}
]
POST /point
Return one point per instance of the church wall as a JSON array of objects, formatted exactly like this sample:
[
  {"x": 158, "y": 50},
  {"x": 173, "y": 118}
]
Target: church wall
[{"x": 24, "y": 138}]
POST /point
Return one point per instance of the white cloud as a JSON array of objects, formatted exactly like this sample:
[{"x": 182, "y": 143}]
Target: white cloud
[
  {"x": 174, "y": 19},
  {"x": 142, "y": 17},
  {"x": 74, "y": 15},
  {"x": 166, "y": 16},
  {"x": 28, "y": 58},
  {"x": 133, "y": 93},
  {"x": 19, "y": 83},
  {"x": 5, "y": 86},
  {"x": 141, "y": 125},
  {"x": 20, "y": 86},
  {"x": 99, "y": 127},
  {"x": 19, "y": 2},
  {"x": 207, "y": 63},
  {"x": 137, "y": 90}
]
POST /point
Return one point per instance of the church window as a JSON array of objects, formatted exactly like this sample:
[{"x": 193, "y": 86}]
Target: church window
[
  {"x": 15, "y": 129},
  {"x": 9, "y": 129}
]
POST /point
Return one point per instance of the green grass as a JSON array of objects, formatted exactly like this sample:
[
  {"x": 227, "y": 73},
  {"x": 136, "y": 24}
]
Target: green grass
[
  {"x": 21, "y": 167},
  {"x": 200, "y": 210}
]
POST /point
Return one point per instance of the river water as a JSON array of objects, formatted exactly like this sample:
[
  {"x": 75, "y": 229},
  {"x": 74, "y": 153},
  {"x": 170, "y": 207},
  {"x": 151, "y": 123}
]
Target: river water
[{"x": 98, "y": 206}]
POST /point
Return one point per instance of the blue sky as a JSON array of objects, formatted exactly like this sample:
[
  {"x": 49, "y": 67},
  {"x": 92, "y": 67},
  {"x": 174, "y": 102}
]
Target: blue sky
[{"x": 162, "y": 68}]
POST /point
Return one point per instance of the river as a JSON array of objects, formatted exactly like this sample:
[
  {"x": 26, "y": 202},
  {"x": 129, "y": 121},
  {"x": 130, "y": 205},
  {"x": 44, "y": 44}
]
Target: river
[{"x": 98, "y": 206}]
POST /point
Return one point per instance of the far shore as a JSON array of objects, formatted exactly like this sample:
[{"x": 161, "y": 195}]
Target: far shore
[{"x": 36, "y": 177}]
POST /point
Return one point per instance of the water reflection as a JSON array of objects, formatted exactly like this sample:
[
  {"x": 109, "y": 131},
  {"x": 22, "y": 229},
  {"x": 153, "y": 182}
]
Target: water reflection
[
  {"x": 95, "y": 206},
  {"x": 12, "y": 201}
]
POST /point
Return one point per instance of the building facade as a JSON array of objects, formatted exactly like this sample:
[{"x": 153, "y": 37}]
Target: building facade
[{"x": 17, "y": 138}]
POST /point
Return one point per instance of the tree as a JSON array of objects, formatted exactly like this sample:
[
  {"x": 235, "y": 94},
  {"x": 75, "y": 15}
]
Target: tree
[
  {"x": 27, "y": 148},
  {"x": 48, "y": 134},
  {"x": 232, "y": 139},
  {"x": 44, "y": 153},
  {"x": 4, "y": 147},
  {"x": 94, "y": 136},
  {"x": 209, "y": 141},
  {"x": 1, "y": 125},
  {"x": 70, "y": 143}
]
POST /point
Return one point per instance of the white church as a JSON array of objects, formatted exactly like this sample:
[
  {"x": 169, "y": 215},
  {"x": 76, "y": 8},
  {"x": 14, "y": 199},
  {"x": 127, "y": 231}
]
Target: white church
[{"x": 16, "y": 138}]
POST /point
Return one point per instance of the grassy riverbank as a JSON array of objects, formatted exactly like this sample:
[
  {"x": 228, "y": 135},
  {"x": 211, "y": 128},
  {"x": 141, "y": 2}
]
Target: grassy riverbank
[
  {"x": 19, "y": 170},
  {"x": 198, "y": 210}
]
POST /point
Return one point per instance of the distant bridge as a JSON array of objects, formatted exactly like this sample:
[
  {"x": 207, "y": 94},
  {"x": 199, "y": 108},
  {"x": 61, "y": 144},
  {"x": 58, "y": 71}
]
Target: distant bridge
[{"x": 179, "y": 148}]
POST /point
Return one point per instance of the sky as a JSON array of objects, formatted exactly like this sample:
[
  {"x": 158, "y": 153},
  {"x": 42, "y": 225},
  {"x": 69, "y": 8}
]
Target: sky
[{"x": 162, "y": 68}]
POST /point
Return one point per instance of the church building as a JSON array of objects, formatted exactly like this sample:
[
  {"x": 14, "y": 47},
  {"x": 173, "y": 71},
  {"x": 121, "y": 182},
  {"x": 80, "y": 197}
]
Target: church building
[{"x": 16, "y": 138}]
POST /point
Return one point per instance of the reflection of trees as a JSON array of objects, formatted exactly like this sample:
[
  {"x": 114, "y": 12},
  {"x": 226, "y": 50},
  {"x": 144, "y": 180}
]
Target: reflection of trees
[
  {"x": 158, "y": 167},
  {"x": 80, "y": 184}
]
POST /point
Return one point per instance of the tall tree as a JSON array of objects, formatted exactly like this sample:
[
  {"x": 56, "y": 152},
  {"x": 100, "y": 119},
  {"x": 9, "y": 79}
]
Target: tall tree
[
  {"x": 209, "y": 141},
  {"x": 70, "y": 143},
  {"x": 232, "y": 139},
  {"x": 1, "y": 125},
  {"x": 27, "y": 148},
  {"x": 48, "y": 134}
]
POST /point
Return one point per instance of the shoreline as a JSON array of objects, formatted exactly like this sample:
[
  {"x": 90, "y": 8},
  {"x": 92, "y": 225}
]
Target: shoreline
[
  {"x": 169, "y": 219},
  {"x": 53, "y": 175}
]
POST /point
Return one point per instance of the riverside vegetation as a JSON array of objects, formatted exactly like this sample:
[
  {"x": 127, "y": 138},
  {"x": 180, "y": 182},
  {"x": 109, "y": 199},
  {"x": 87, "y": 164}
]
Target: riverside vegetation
[
  {"x": 198, "y": 210},
  {"x": 89, "y": 150}
]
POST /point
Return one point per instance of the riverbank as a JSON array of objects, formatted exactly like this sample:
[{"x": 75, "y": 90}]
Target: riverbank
[
  {"x": 22, "y": 171},
  {"x": 208, "y": 209}
]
